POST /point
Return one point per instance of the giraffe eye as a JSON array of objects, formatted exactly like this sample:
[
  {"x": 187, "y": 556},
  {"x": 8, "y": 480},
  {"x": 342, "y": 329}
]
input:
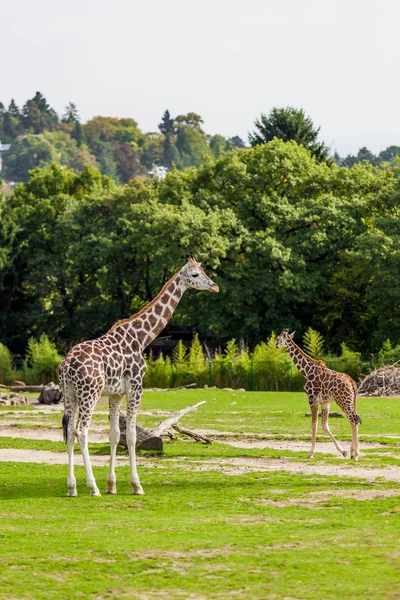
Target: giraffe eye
[{"x": 195, "y": 275}]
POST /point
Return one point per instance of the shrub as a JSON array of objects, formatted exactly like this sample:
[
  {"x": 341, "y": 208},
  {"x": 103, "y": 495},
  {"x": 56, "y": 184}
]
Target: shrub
[
  {"x": 348, "y": 362},
  {"x": 313, "y": 343},
  {"x": 6, "y": 366},
  {"x": 42, "y": 360},
  {"x": 387, "y": 354}
]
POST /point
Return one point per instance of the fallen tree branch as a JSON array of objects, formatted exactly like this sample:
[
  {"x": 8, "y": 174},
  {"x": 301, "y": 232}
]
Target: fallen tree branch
[
  {"x": 24, "y": 388},
  {"x": 161, "y": 427},
  {"x": 193, "y": 434},
  {"x": 151, "y": 440}
]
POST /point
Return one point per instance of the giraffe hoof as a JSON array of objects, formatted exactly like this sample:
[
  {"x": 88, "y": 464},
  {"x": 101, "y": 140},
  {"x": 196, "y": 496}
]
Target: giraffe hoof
[
  {"x": 138, "y": 491},
  {"x": 95, "y": 493},
  {"x": 310, "y": 456},
  {"x": 111, "y": 491},
  {"x": 354, "y": 457},
  {"x": 72, "y": 493},
  {"x": 344, "y": 453}
]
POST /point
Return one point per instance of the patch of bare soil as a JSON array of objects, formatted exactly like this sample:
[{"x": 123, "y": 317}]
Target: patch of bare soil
[
  {"x": 317, "y": 500},
  {"x": 294, "y": 445},
  {"x": 53, "y": 435},
  {"x": 53, "y": 458},
  {"x": 228, "y": 466}
]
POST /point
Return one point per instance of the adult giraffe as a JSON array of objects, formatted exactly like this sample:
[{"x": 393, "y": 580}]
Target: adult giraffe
[
  {"x": 113, "y": 364},
  {"x": 324, "y": 386}
]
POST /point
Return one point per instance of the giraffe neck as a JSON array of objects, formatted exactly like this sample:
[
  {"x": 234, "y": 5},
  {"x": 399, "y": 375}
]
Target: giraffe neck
[
  {"x": 304, "y": 363},
  {"x": 149, "y": 322}
]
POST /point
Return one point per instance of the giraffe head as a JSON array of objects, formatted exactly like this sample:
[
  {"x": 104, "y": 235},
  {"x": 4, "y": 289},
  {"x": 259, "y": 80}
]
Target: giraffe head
[
  {"x": 195, "y": 277},
  {"x": 283, "y": 338}
]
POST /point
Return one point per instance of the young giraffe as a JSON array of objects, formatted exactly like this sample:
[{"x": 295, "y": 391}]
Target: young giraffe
[
  {"x": 324, "y": 386},
  {"x": 113, "y": 364}
]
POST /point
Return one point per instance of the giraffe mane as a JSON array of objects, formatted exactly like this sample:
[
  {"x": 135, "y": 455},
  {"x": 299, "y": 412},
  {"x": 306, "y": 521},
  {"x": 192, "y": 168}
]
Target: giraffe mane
[
  {"x": 144, "y": 309},
  {"x": 317, "y": 362}
]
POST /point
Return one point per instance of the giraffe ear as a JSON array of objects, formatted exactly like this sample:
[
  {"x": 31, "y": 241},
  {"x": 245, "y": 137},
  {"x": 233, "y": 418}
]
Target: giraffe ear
[{"x": 292, "y": 334}]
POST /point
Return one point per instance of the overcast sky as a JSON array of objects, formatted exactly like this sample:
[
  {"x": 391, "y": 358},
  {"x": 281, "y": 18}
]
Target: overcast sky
[{"x": 228, "y": 60}]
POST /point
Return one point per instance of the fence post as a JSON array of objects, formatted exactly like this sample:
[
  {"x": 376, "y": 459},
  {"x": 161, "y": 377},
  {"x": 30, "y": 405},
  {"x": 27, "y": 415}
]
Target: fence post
[
  {"x": 252, "y": 376},
  {"x": 209, "y": 373},
  {"x": 172, "y": 374}
]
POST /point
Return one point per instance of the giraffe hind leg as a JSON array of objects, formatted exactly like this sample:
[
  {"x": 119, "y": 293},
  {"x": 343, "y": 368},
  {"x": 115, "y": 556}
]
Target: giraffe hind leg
[
  {"x": 68, "y": 423},
  {"x": 314, "y": 425},
  {"x": 87, "y": 405},
  {"x": 325, "y": 427}
]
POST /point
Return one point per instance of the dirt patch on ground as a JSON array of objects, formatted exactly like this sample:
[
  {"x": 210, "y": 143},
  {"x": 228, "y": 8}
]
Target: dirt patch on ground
[
  {"x": 227, "y": 466},
  {"x": 294, "y": 445},
  {"x": 52, "y": 435},
  {"x": 317, "y": 500}
]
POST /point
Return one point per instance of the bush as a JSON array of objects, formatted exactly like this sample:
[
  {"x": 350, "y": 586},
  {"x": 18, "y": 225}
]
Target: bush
[
  {"x": 6, "y": 366},
  {"x": 232, "y": 367},
  {"x": 348, "y": 362},
  {"x": 42, "y": 360},
  {"x": 273, "y": 368},
  {"x": 387, "y": 354}
]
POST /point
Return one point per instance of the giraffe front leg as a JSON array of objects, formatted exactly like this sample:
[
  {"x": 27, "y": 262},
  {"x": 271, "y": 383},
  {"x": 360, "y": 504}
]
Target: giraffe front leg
[
  {"x": 314, "y": 425},
  {"x": 133, "y": 401},
  {"x": 114, "y": 404},
  {"x": 325, "y": 427}
]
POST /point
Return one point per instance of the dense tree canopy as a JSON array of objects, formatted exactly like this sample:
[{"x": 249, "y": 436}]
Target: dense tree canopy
[{"x": 292, "y": 242}]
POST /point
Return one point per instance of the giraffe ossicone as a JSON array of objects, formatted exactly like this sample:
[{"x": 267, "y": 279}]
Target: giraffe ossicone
[
  {"x": 322, "y": 387},
  {"x": 113, "y": 364}
]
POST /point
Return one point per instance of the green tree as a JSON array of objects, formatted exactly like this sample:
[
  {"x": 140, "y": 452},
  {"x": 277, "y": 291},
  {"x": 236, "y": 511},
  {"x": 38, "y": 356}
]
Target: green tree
[
  {"x": 313, "y": 343},
  {"x": 42, "y": 359},
  {"x": 289, "y": 124},
  {"x": 390, "y": 154},
  {"x": 192, "y": 120},
  {"x": 78, "y": 134},
  {"x": 25, "y": 154},
  {"x": 71, "y": 114},
  {"x": 196, "y": 355},
  {"x": 37, "y": 115},
  {"x": 192, "y": 146},
  {"x": 104, "y": 154},
  {"x": 180, "y": 354},
  {"x": 219, "y": 144},
  {"x": 6, "y": 366},
  {"x": 237, "y": 142},
  {"x": 166, "y": 126},
  {"x": 13, "y": 110}
]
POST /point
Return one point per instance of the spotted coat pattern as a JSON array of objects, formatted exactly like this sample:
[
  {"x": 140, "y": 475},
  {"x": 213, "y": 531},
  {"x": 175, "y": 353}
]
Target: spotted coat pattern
[
  {"x": 322, "y": 387},
  {"x": 113, "y": 364}
]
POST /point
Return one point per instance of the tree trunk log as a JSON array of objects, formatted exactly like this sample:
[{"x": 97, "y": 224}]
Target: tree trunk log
[{"x": 145, "y": 439}]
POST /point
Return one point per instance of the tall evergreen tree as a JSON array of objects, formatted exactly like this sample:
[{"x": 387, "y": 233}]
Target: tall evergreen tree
[
  {"x": 78, "y": 134},
  {"x": 289, "y": 124},
  {"x": 167, "y": 124},
  {"x": 13, "y": 109},
  {"x": 237, "y": 142},
  {"x": 71, "y": 114}
]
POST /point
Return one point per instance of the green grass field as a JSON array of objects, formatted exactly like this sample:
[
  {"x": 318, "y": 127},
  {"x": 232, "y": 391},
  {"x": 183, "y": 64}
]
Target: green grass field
[{"x": 216, "y": 521}]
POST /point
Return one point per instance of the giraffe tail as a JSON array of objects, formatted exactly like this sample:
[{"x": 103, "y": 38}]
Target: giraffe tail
[{"x": 65, "y": 421}]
